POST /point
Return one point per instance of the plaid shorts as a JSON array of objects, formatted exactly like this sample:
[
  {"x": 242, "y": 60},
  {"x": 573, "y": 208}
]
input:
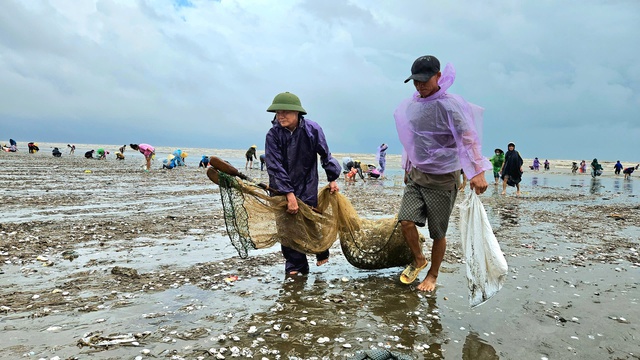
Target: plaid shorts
[{"x": 420, "y": 205}]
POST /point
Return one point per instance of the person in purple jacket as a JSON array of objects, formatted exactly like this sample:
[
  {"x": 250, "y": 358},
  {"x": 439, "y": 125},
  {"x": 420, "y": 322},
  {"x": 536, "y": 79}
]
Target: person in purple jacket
[
  {"x": 438, "y": 131},
  {"x": 292, "y": 147}
]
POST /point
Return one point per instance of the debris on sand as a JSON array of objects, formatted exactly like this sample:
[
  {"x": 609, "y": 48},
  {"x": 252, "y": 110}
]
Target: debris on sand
[
  {"x": 125, "y": 271},
  {"x": 97, "y": 340}
]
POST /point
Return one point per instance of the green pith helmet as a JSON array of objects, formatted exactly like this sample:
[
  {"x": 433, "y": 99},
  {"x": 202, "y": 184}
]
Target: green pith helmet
[{"x": 286, "y": 101}]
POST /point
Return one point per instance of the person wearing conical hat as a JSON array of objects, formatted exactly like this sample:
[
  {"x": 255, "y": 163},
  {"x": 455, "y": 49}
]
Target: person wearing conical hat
[
  {"x": 292, "y": 147},
  {"x": 250, "y": 155}
]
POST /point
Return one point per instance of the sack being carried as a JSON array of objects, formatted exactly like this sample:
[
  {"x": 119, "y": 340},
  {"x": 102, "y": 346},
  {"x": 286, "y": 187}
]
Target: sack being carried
[{"x": 486, "y": 265}]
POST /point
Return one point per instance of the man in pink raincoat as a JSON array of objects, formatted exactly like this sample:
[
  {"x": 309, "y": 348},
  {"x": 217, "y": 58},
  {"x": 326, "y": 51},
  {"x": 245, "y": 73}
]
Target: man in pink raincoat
[{"x": 439, "y": 134}]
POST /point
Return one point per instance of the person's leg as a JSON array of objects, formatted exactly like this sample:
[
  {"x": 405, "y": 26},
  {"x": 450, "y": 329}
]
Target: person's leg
[
  {"x": 439, "y": 205},
  {"x": 437, "y": 255},
  {"x": 322, "y": 258},
  {"x": 504, "y": 184},
  {"x": 410, "y": 233},
  {"x": 518, "y": 189},
  {"x": 412, "y": 213},
  {"x": 295, "y": 261},
  {"x": 148, "y": 158}
]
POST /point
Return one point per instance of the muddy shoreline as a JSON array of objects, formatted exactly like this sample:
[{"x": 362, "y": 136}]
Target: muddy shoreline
[{"x": 116, "y": 263}]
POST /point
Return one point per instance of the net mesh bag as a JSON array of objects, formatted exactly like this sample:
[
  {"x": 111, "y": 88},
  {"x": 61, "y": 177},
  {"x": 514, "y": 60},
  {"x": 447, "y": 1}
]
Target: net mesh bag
[{"x": 256, "y": 220}]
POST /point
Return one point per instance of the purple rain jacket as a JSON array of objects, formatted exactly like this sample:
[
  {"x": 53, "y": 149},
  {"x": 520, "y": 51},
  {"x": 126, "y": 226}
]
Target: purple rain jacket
[
  {"x": 292, "y": 160},
  {"x": 440, "y": 133}
]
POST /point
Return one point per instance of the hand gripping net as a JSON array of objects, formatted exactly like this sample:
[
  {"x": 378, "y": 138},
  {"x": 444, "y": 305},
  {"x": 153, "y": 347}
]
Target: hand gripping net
[{"x": 255, "y": 220}]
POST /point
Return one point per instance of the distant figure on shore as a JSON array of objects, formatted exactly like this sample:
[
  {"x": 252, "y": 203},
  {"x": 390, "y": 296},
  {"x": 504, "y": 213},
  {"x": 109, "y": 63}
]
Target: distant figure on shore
[
  {"x": 617, "y": 167},
  {"x": 583, "y": 166},
  {"x": 72, "y": 148},
  {"x": 596, "y": 168},
  {"x": 511, "y": 169},
  {"x": 345, "y": 164},
  {"x": 122, "y": 149},
  {"x": 263, "y": 161},
  {"x": 574, "y": 167},
  {"x": 179, "y": 157},
  {"x": 628, "y": 171},
  {"x": 497, "y": 160},
  {"x": 89, "y": 154},
  {"x": 373, "y": 172},
  {"x": 250, "y": 155},
  {"x": 546, "y": 164},
  {"x": 147, "y": 150},
  {"x": 204, "y": 162},
  {"x": 536, "y": 165},
  {"x": 381, "y": 156},
  {"x": 102, "y": 155},
  {"x": 170, "y": 162},
  {"x": 56, "y": 152},
  {"x": 12, "y": 148},
  {"x": 33, "y": 147},
  {"x": 353, "y": 168},
  {"x": 119, "y": 156}
]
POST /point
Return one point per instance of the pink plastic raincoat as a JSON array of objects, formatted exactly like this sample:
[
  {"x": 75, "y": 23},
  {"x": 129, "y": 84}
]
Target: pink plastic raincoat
[{"x": 439, "y": 133}]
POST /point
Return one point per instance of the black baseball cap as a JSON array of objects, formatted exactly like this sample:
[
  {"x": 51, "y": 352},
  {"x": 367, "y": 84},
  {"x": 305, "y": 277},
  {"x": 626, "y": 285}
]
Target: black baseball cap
[{"x": 424, "y": 68}]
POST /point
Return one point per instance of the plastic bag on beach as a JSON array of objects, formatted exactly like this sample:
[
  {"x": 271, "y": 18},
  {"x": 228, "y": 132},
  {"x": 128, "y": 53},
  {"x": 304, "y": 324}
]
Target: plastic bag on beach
[{"x": 486, "y": 265}]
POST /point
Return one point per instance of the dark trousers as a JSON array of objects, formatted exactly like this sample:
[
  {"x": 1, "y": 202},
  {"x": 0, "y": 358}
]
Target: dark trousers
[{"x": 297, "y": 261}]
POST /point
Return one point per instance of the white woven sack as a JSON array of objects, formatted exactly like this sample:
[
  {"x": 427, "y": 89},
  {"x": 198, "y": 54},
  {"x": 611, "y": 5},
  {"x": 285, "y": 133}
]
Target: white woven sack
[{"x": 486, "y": 265}]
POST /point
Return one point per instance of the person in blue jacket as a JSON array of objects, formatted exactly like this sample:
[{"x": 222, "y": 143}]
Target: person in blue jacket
[
  {"x": 179, "y": 159},
  {"x": 204, "y": 162},
  {"x": 292, "y": 147},
  {"x": 617, "y": 167}
]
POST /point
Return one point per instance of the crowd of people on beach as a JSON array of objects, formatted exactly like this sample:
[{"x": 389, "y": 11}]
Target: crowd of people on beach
[{"x": 430, "y": 121}]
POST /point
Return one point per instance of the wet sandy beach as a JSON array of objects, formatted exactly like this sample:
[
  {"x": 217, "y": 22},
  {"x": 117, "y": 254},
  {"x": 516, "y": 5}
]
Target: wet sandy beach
[{"x": 101, "y": 260}]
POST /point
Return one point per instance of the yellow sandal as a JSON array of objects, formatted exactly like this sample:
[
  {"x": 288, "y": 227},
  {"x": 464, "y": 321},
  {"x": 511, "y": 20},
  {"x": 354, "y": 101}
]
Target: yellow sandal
[{"x": 410, "y": 274}]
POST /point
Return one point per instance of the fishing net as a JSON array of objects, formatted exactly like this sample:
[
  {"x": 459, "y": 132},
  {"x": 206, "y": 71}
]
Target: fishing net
[{"x": 255, "y": 220}]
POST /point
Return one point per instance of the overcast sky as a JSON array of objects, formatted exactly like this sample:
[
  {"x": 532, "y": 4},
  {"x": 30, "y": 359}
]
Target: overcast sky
[{"x": 559, "y": 78}]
